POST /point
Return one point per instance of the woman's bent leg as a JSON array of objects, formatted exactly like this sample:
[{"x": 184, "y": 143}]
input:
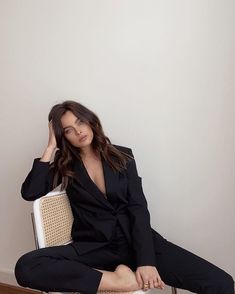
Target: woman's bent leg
[
  {"x": 56, "y": 269},
  {"x": 62, "y": 269},
  {"x": 183, "y": 269}
]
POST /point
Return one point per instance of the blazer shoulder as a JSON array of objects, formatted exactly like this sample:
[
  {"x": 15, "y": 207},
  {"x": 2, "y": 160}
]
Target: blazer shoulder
[{"x": 125, "y": 149}]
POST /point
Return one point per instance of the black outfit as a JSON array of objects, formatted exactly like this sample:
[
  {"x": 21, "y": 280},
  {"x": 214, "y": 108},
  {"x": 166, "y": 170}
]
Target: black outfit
[{"x": 107, "y": 232}]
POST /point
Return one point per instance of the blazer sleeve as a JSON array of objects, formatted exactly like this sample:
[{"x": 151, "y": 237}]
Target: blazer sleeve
[
  {"x": 140, "y": 218},
  {"x": 39, "y": 181}
]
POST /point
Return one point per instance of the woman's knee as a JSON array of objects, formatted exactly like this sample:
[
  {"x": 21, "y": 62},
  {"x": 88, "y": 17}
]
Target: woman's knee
[
  {"x": 23, "y": 269},
  {"x": 226, "y": 284},
  {"x": 223, "y": 283}
]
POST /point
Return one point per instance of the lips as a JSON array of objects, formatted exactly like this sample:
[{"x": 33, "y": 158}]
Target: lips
[{"x": 83, "y": 138}]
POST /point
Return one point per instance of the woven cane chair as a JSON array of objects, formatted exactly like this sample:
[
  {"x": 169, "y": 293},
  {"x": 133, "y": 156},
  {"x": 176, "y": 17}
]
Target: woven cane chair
[{"x": 52, "y": 222}]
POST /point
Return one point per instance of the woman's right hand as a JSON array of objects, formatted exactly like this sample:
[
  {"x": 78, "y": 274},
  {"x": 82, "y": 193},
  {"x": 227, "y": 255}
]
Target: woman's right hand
[
  {"x": 52, "y": 140},
  {"x": 51, "y": 146}
]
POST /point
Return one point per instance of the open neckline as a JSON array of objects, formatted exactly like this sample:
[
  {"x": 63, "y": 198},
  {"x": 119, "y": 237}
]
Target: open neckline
[{"x": 94, "y": 184}]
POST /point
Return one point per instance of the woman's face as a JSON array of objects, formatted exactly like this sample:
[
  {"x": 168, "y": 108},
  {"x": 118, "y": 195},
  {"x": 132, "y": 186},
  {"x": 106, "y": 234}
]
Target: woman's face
[{"x": 78, "y": 133}]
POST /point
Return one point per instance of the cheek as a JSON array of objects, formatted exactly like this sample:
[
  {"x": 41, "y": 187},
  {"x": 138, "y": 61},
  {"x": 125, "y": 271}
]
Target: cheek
[
  {"x": 90, "y": 132},
  {"x": 70, "y": 140}
]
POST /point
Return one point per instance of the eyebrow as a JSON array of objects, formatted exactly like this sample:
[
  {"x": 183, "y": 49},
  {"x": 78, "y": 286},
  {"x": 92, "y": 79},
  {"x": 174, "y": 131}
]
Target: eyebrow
[{"x": 71, "y": 126}]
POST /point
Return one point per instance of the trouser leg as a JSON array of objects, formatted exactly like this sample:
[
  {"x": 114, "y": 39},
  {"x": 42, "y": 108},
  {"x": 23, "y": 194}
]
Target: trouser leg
[
  {"x": 62, "y": 269},
  {"x": 56, "y": 269},
  {"x": 183, "y": 269}
]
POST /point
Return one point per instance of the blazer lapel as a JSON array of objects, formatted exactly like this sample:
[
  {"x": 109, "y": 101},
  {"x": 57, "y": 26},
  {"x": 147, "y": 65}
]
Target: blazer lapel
[
  {"x": 111, "y": 181},
  {"x": 110, "y": 178}
]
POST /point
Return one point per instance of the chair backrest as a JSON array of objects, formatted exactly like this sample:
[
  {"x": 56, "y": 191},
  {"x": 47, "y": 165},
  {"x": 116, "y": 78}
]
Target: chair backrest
[{"x": 53, "y": 219}]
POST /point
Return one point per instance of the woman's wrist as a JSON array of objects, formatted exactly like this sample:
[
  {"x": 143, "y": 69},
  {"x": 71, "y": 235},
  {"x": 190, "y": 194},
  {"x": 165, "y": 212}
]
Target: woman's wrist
[
  {"x": 48, "y": 153},
  {"x": 51, "y": 147}
]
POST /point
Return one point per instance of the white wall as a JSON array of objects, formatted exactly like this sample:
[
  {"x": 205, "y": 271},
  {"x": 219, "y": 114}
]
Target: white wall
[{"x": 160, "y": 75}]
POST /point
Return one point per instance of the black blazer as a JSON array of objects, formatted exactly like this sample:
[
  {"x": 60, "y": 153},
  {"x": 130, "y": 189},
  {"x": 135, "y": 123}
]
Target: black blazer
[{"x": 95, "y": 217}]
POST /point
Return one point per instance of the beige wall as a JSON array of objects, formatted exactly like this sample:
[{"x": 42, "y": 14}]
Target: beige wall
[{"x": 160, "y": 75}]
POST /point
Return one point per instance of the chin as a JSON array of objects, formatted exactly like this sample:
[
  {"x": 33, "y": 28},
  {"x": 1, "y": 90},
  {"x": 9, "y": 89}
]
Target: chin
[{"x": 85, "y": 144}]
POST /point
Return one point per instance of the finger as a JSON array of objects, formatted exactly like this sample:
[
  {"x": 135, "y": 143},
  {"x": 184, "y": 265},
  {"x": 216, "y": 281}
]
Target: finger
[
  {"x": 145, "y": 281},
  {"x": 139, "y": 279},
  {"x": 50, "y": 126},
  {"x": 151, "y": 285},
  {"x": 156, "y": 284},
  {"x": 160, "y": 282},
  {"x": 162, "y": 285},
  {"x": 146, "y": 286}
]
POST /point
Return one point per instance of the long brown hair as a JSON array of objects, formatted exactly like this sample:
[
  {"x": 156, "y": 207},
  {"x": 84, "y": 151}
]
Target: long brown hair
[{"x": 66, "y": 152}]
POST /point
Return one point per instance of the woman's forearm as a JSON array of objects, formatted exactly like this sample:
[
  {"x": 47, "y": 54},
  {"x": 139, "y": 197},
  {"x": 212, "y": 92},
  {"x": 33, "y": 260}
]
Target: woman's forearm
[{"x": 48, "y": 154}]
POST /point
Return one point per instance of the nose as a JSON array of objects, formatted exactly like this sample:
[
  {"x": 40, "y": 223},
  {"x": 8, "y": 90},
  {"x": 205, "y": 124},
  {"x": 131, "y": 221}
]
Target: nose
[{"x": 77, "y": 131}]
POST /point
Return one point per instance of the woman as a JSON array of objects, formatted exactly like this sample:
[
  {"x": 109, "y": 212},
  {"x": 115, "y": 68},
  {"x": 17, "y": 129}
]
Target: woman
[{"x": 114, "y": 246}]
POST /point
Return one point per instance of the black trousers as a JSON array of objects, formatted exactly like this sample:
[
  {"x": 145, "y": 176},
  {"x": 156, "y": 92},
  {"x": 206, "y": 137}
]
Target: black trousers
[{"x": 62, "y": 269}]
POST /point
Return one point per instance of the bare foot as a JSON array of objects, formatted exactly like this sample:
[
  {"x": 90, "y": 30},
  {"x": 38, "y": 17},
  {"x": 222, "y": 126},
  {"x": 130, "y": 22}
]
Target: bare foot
[{"x": 126, "y": 279}]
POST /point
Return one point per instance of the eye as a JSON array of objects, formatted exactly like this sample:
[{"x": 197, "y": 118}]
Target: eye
[{"x": 68, "y": 131}]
